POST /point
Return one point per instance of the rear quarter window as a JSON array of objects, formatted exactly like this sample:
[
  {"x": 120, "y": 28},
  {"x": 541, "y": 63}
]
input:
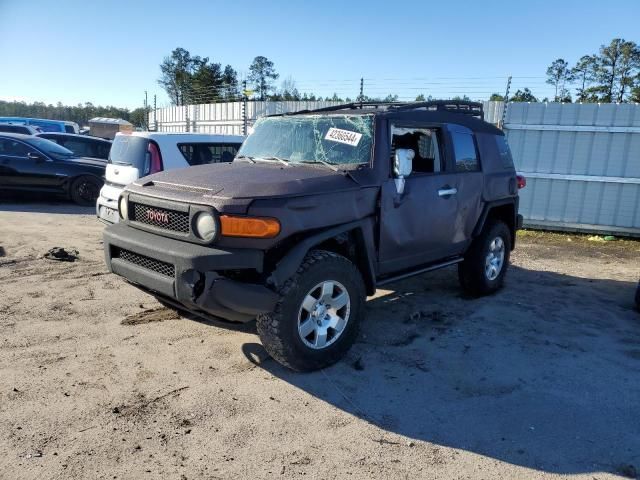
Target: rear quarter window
[
  {"x": 506, "y": 159},
  {"x": 205, "y": 153}
]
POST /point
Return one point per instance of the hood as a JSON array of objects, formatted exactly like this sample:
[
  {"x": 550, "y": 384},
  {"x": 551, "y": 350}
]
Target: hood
[{"x": 245, "y": 180}]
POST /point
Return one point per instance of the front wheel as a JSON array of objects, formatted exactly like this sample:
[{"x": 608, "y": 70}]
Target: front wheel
[
  {"x": 316, "y": 319},
  {"x": 485, "y": 263},
  {"x": 85, "y": 190}
]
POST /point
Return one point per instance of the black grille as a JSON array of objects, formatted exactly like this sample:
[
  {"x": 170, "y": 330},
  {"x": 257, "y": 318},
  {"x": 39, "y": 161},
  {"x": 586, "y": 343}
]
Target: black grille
[
  {"x": 177, "y": 221},
  {"x": 162, "y": 268}
]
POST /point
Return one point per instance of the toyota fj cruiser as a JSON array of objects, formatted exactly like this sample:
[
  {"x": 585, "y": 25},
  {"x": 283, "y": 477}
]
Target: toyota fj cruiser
[{"x": 318, "y": 209}]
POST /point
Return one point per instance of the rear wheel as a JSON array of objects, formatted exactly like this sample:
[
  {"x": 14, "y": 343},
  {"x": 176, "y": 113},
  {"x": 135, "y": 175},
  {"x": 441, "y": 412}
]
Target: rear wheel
[
  {"x": 485, "y": 263},
  {"x": 316, "y": 319},
  {"x": 85, "y": 190}
]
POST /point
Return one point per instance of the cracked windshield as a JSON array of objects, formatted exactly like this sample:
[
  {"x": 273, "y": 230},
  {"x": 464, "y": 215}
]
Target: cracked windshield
[{"x": 332, "y": 139}]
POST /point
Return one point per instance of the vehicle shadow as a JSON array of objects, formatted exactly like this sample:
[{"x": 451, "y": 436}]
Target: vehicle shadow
[
  {"x": 545, "y": 374},
  {"x": 39, "y": 203}
]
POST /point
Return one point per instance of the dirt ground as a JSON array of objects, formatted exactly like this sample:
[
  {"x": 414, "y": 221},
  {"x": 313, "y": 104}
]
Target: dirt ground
[{"x": 97, "y": 380}]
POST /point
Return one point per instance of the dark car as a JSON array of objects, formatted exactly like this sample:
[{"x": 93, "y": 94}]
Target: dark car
[
  {"x": 34, "y": 164},
  {"x": 317, "y": 210},
  {"x": 17, "y": 128},
  {"x": 81, "y": 145}
]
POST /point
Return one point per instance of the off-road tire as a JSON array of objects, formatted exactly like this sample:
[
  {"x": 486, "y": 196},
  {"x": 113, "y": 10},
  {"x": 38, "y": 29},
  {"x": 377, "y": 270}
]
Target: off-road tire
[
  {"x": 471, "y": 272},
  {"x": 278, "y": 330},
  {"x": 85, "y": 190}
]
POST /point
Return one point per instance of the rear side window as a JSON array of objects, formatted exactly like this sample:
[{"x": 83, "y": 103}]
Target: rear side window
[
  {"x": 504, "y": 151},
  {"x": 15, "y": 129},
  {"x": 102, "y": 150},
  {"x": 205, "y": 153},
  {"x": 79, "y": 147},
  {"x": 69, "y": 129},
  {"x": 464, "y": 149}
]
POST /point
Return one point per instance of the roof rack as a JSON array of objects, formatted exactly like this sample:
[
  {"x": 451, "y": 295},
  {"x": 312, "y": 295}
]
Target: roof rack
[{"x": 463, "y": 107}]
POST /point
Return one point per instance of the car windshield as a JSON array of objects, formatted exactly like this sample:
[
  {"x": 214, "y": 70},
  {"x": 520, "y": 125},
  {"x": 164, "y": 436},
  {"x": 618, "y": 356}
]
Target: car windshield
[
  {"x": 52, "y": 149},
  {"x": 332, "y": 139}
]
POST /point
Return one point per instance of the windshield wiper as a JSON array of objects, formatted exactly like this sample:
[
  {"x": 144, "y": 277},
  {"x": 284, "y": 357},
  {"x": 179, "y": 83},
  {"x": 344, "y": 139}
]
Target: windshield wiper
[
  {"x": 251, "y": 159},
  {"x": 277, "y": 159},
  {"x": 326, "y": 164}
]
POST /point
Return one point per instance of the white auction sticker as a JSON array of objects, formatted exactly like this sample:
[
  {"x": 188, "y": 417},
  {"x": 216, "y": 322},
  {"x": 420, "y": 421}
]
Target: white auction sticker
[{"x": 343, "y": 136}]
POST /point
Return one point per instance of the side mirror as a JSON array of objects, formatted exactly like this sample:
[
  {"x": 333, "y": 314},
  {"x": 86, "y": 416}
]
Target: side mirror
[
  {"x": 402, "y": 166},
  {"x": 35, "y": 156}
]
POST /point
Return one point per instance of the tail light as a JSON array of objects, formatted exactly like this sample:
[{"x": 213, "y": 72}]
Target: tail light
[
  {"x": 155, "y": 159},
  {"x": 521, "y": 180}
]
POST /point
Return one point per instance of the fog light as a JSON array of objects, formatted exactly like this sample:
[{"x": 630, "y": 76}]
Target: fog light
[
  {"x": 122, "y": 208},
  {"x": 206, "y": 227}
]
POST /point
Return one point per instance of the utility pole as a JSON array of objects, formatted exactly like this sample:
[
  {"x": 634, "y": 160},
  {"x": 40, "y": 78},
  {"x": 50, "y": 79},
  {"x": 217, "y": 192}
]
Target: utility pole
[
  {"x": 361, "y": 91},
  {"x": 506, "y": 102},
  {"x": 244, "y": 107},
  {"x": 146, "y": 111},
  {"x": 155, "y": 113}
]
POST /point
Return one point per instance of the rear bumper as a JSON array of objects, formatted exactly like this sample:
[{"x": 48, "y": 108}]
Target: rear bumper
[{"x": 187, "y": 273}]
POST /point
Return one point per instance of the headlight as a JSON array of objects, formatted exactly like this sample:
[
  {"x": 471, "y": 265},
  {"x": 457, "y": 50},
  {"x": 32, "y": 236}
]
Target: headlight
[
  {"x": 122, "y": 207},
  {"x": 206, "y": 226}
]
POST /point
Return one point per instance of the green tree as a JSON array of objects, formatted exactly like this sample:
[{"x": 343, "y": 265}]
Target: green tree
[
  {"x": 635, "y": 93},
  {"x": 194, "y": 79},
  {"x": 139, "y": 118},
  {"x": 559, "y": 75},
  {"x": 616, "y": 70},
  {"x": 496, "y": 97},
  {"x": 523, "y": 96},
  {"x": 176, "y": 71},
  {"x": 288, "y": 90},
  {"x": 79, "y": 113},
  {"x": 262, "y": 74},
  {"x": 231, "y": 85},
  {"x": 584, "y": 73},
  {"x": 421, "y": 98}
]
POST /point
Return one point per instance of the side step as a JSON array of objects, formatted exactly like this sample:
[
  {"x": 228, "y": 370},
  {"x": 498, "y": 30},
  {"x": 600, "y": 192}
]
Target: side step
[{"x": 413, "y": 273}]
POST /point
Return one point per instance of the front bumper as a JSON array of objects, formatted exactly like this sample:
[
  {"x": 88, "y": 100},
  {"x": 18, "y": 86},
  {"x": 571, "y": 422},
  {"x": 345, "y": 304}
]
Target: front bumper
[{"x": 188, "y": 273}]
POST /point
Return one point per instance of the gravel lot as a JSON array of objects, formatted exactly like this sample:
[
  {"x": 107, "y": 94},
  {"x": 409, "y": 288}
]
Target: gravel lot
[{"x": 97, "y": 380}]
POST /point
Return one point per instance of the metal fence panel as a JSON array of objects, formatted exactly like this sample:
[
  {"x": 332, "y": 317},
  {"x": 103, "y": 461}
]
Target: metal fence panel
[
  {"x": 227, "y": 118},
  {"x": 582, "y": 163}
]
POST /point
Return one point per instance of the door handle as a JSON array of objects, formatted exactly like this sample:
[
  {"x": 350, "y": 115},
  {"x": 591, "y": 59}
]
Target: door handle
[{"x": 447, "y": 191}]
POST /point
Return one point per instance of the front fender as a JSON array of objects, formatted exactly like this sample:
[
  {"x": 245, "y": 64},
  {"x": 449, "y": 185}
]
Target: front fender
[{"x": 288, "y": 265}]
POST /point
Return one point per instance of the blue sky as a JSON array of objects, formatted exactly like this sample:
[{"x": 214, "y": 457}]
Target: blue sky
[{"x": 109, "y": 52}]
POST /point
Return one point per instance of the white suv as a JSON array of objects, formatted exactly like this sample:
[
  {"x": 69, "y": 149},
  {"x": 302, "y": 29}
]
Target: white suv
[{"x": 137, "y": 154}]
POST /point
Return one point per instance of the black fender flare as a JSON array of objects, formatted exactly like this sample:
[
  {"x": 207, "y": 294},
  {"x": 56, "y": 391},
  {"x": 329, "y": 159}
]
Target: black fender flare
[
  {"x": 488, "y": 206},
  {"x": 366, "y": 251}
]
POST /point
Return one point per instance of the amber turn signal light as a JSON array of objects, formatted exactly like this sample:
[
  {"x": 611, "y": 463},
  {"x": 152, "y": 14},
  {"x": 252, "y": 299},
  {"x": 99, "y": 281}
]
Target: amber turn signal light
[{"x": 253, "y": 227}]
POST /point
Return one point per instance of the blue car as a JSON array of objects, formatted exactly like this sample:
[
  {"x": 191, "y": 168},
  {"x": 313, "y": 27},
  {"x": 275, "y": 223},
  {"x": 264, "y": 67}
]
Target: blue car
[{"x": 45, "y": 125}]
